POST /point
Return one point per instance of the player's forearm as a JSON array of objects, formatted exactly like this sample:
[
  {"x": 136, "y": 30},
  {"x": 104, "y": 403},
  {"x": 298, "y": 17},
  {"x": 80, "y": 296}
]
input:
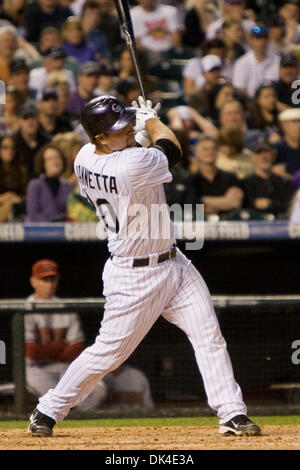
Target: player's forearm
[{"x": 158, "y": 130}]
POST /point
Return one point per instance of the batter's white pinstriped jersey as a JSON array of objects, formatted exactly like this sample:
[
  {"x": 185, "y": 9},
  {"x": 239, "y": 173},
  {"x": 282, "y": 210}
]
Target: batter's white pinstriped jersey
[{"x": 131, "y": 181}]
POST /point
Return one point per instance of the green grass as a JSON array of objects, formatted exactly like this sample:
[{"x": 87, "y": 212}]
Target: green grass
[{"x": 154, "y": 422}]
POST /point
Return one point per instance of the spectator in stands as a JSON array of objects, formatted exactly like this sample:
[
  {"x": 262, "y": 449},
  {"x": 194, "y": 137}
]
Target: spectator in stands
[
  {"x": 288, "y": 73},
  {"x": 232, "y": 154},
  {"x": 265, "y": 191},
  {"x": 277, "y": 43},
  {"x": 57, "y": 80},
  {"x": 49, "y": 120},
  {"x": 231, "y": 9},
  {"x": 263, "y": 112},
  {"x": 290, "y": 12},
  {"x": 74, "y": 41},
  {"x": 219, "y": 191},
  {"x": 156, "y": 26},
  {"x": 29, "y": 138},
  {"x": 49, "y": 38},
  {"x": 14, "y": 12},
  {"x": 193, "y": 78},
  {"x": 128, "y": 387},
  {"x": 129, "y": 90},
  {"x": 43, "y": 13},
  {"x": 188, "y": 120},
  {"x": 107, "y": 81},
  {"x": 9, "y": 120},
  {"x": 9, "y": 46},
  {"x": 19, "y": 78},
  {"x": 47, "y": 195},
  {"x": 197, "y": 19},
  {"x": 54, "y": 340},
  {"x": 220, "y": 93},
  {"x": 211, "y": 66},
  {"x": 13, "y": 177},
  {"x": 256, "y": 65},
  {"x": 231, "y": 114},
  {"x": 69, "y": 143},
  {"x": 87, "y": 83},
  {"x": 288, "y": 149},
  {"x": 110, "y": 25},
  {"x": 53, "y": 61},
  {"x": 233, "y": 37},
  {"x": 90, "y": 25}
]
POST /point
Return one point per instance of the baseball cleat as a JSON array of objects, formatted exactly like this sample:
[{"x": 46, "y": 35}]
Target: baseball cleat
[
  {"x": 240, "y": 425},
  {"x": 40, "y": 425}
]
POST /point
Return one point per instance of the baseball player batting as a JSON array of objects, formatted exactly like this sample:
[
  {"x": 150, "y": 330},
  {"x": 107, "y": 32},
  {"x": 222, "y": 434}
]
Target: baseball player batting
[{"x": 145, "y": 277}]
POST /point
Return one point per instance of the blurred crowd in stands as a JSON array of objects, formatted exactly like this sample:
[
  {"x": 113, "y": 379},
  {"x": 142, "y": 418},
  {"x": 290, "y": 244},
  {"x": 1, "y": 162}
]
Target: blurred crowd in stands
[{"x": 227, "y": 73}]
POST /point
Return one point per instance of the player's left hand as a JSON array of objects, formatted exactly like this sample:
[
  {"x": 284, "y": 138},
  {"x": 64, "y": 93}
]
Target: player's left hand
[{"x": 144, "y": 111}]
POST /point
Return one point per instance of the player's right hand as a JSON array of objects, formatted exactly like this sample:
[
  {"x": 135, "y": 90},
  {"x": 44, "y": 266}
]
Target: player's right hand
[{"x": 144, "y": 111}]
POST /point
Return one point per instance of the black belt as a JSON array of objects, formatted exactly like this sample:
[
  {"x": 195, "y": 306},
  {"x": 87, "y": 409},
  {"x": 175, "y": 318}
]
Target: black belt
[{"x": 140, "y": 262}]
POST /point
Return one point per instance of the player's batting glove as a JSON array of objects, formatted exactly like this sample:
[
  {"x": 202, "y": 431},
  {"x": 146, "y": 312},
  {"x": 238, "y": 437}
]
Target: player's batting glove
[
  {"x": 143, "y": 138},
  {"x": 144, "y": 111}
]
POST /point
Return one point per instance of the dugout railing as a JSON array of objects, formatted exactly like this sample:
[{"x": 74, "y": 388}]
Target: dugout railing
[{"x": 271, "y": 334}]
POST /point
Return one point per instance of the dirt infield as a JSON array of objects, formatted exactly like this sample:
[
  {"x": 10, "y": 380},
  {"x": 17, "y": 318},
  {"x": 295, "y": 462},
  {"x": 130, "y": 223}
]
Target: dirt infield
[{"x": 151, "y": 438}]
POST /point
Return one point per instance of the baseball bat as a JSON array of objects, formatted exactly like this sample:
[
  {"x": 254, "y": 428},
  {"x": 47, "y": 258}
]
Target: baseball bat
[{"x": 127, "y": 30}]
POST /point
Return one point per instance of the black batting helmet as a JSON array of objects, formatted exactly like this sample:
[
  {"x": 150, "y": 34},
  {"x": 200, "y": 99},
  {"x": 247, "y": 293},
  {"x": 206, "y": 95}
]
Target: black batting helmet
[{"x": 105, "y": 114}]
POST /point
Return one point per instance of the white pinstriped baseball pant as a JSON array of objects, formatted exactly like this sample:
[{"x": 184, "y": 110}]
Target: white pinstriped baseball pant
[{"x": 135, "y": 298}]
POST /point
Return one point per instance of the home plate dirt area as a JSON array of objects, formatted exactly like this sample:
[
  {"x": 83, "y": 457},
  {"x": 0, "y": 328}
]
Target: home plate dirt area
[{"x": 285, "y": 437}]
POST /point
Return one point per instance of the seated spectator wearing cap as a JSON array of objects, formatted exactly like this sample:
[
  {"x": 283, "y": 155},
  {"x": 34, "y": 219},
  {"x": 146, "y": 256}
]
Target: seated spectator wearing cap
[
  {"x": 277, "y": 43},
  {"x": 88, "y": 75},
  {"x": 74, "y": 42},
  {"x": 231, "y": 9},
  {"x": 263, "y": 113},
  {"x": 106, "y": 81},
  {"x": 53, "y": 61},
  {"x": 47, "y": 195},
  {"x": 256, "y": 65},
  {"x": 19, "y": 78},
  {"x": 193, "y": 78},
  {"x": 288, "y": 149},
  {"x": 30, "y": 137},
  {"x": 288, "y": 73},
  {"x": 9, "y": 118},
  {"x": 264, "y": 191},
  {"x": 90, "y": 18},
  {"x": 156, "y": 27},
  {"x": 290, "y": 12},
  {"x": 13, "y": 177},
  {"x": 211, "y": 70},
  {"x": 232, "y": 154},
  {"x": 52, "y": 340},
  {"x": 219, "y": 191},
  {"x": 43, "y": 13},
  {"x": 49, "y": 120}
]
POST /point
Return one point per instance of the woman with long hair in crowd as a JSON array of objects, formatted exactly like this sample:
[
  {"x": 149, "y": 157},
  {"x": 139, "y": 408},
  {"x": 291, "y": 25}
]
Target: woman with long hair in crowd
[
  {"x": 47, "y": 195},
  {"x": 263, "y": 112},
  {"x": 9, "y": 120},
  {"x": 13, "y": 178}
]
